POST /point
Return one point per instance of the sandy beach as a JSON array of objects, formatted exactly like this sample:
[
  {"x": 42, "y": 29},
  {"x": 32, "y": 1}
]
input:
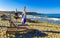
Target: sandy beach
[
  {"x": 52, "y": 30},
  {"x": 44, "y": 29}
]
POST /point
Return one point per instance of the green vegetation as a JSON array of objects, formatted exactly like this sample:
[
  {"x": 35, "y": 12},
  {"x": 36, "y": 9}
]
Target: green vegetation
[{"x": 18, "y": 12}]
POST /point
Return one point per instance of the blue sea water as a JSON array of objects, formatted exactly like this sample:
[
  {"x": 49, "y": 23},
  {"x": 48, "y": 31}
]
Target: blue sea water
[
  {"x": 51, "y": 18},
  {"x": 48, "y": 15}
]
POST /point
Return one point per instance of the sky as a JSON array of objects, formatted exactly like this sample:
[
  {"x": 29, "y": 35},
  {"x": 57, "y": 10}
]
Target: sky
[{"x": 39, "y": 6}]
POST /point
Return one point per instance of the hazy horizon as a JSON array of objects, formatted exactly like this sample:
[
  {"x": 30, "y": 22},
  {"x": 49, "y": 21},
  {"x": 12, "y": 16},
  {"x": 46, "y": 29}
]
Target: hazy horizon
[{"x": 40, "y": 6}]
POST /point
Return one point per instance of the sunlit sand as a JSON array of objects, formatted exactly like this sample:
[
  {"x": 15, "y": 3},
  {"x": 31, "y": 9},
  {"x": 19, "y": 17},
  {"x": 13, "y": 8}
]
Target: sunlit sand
[{"x": 52, "y": 30}]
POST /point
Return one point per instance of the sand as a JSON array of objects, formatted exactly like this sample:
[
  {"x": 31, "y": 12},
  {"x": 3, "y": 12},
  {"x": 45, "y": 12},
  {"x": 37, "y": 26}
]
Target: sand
[{"x": 52, "y": 30}]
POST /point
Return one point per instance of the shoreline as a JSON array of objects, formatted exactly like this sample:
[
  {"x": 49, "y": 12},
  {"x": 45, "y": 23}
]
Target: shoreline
[{"x": 45, "y": 19}]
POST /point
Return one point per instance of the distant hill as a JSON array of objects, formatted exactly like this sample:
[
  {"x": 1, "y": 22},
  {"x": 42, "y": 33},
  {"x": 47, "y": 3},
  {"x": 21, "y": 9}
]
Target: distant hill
[{"x": 1, "y": 12}]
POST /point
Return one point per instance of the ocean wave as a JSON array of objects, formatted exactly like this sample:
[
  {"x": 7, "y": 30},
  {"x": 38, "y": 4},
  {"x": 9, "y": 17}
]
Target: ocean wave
[
  {"x": 55, "y": 19},
  {"x": 37, "y": 17},
  {"x": 44, "y": 19}
]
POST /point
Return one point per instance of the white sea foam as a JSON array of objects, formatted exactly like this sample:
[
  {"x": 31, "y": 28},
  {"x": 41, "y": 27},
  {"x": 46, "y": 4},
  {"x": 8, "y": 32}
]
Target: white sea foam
[
  {"x": 31, "y": 16},
  {"x": 45, "y": 18},
  {"x": 54, "y": 19}
]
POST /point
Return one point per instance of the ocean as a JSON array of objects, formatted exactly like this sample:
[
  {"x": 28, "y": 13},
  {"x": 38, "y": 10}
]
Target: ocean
[{"x": 50, "y": 18}]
